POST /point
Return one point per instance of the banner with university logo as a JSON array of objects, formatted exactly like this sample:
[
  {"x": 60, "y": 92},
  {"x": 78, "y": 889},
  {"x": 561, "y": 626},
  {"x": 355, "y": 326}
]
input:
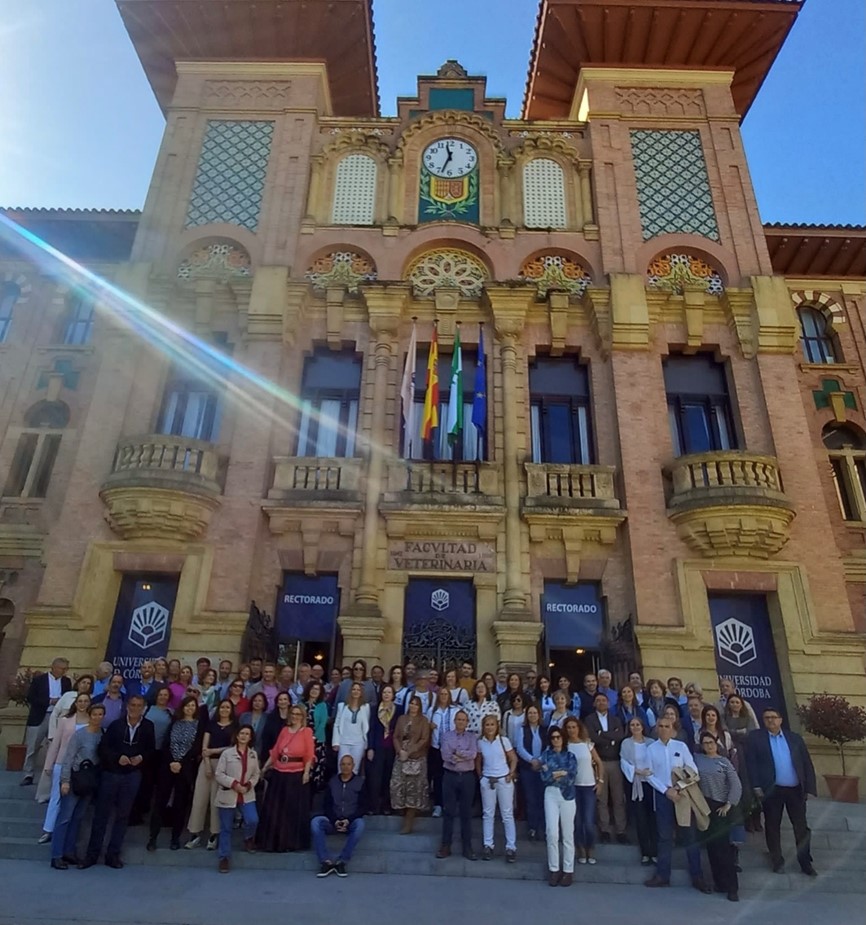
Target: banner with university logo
[
  {"x": 745, "y": 650},
  {"x": 141, "y": 628},
  {"x": 307, "y": 608},
  {"x": 573, "y": 615},
  {"x": 439, "y": 621}
]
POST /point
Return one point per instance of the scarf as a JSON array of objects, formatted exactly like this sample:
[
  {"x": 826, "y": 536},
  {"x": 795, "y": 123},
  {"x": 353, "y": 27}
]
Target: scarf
[{"x": 386, "y": 713}]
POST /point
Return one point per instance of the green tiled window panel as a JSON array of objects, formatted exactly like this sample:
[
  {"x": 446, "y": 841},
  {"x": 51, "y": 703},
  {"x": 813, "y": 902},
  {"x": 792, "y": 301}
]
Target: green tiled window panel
[
  {"x": 673, "y": 188},
  {"x": 231, "y": 173}
]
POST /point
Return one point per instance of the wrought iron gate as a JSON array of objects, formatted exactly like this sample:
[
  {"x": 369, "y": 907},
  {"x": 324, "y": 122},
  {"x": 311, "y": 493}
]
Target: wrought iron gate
[{"x": 437, "y": 643}]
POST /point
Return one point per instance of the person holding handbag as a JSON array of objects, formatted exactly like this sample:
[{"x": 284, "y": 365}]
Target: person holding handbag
[
  {"x": 79, "y": 781},
  {"x": 237, "y": 773},
  {"x": 409, "y": 787},
  {"x": 496, "y": 766}
]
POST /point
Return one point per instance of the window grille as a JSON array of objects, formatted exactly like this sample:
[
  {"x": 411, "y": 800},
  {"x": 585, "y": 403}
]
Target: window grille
[
  {"x": 543, "y": 194},
  {"x": 355, "y": 190}
]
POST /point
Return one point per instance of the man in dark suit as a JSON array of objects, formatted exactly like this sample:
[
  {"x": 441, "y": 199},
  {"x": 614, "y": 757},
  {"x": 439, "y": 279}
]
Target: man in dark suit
[
  {"x": 607, "y": 732},
  {"x": 782, "y": 777},
  {"x": 44, "y": 691},
  {"x": 126, "y": 744}
]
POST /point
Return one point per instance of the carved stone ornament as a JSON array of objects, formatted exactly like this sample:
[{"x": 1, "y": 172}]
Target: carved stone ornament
[
  {"x": 557, "y": 272},
  {"x": 221, "y": 260},
  {"x": 340, "y": 269},
  {"x": 453, "y": 70},
  {"x": 675, "y": 272},
  {"x": 261, "y": 94},
  {"x": 449, "y": 118},
  {"x": 661, "y": 101},
  {"x": 447, "y": 269}
]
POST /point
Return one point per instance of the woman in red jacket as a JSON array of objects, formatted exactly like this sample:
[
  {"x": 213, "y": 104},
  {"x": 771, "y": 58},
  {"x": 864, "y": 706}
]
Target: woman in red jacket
[{"x": 285, "y": 815}]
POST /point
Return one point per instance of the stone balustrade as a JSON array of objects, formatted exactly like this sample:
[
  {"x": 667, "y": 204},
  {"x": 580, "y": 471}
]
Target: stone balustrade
[
  {"x": 164, "y": 460},
  {"x": 729, "y": 475},
  {"x": 457, "y": 480},
  {"x": 572, "y": 486},
  {"x": 300, "y": 476}
]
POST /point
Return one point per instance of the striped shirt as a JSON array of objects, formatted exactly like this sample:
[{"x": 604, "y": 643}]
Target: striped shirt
[{"x": 719, "y": 780}]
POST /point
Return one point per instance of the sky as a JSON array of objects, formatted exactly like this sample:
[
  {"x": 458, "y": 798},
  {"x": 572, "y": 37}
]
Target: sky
[{"x": 81, "y": 128}]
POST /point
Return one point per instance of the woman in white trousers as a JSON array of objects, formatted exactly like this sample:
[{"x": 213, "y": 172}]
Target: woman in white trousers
[
  {"x": 496, "y": 765},
  {"x": 351, "y": 727},
  {"x": 558, "y": 773}
]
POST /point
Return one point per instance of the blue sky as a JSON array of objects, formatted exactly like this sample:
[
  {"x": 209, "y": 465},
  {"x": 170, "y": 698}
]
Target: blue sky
[{"x": 81, "y": 128}]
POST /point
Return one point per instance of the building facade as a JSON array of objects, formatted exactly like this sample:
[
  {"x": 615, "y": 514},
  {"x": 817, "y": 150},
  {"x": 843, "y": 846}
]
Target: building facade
[{"x": 662, "y": 459}]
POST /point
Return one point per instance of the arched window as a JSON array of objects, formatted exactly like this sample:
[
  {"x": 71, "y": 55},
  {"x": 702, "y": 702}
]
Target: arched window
[
  {"x": 847, "y": 452},
  {"x": 819, "y": 345},
  {"x": 355, "y": 190},
  {"x": 543, "y": 194},
  {"x": 9, "y": 295},
  {"x": 36, "y": 451}
]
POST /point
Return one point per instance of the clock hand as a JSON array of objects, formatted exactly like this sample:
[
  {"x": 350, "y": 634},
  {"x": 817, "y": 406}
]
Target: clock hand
[{"x": 447, "y": 159}]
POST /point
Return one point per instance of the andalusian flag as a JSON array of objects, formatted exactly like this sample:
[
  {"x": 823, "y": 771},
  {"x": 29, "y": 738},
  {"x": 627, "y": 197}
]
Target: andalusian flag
[
  {"x": 430, "y": 421},
  {"x": 455, "y": 395}
]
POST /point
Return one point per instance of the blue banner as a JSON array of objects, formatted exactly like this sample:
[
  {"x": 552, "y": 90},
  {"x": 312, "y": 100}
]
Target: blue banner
[
  {"x": 307, "y": 608},
  {"x": 573, "y": 615},
  {"x": 439, "y": 599},
  {"x": 745, "y": 650},
  {"x": 141, "y": 628}
]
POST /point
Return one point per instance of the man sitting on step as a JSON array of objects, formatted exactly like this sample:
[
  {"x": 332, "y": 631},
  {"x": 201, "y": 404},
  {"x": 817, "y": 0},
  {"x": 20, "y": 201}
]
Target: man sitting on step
[{"x": 343, "y": 814}]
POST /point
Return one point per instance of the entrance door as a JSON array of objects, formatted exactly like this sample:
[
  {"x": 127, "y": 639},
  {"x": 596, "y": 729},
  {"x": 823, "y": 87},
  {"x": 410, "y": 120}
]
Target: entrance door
[
  {"x": 439, "y": 622},
  {"x": 575, "y": 664}
]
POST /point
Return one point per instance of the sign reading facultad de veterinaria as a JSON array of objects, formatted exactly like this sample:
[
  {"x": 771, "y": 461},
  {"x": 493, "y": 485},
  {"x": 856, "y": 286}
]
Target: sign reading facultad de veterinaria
[{"x": 441, "y": 556}]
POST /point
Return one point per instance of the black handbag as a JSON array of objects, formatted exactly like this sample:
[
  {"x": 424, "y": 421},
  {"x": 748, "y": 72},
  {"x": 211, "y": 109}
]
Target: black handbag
[{"x": 85, "y": 779}]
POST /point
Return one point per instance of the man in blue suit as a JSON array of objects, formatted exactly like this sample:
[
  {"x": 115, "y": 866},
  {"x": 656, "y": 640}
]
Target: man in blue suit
[{"x": 782, "y": 777}]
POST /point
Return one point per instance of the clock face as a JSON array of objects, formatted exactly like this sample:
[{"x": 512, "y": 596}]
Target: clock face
[{"x": 450, "y": 158}]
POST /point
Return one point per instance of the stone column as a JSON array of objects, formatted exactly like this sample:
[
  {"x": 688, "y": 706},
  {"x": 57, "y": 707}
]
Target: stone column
[
  {"x": 395, "y": 187},
  {"x": 516, "y": 631},
  {"x": 583, "y": 169},
  {"x": 362, "y": 625}
]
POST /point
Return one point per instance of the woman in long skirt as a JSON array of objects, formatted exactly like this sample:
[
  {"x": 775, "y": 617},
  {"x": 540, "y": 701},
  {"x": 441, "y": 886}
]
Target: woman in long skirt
[
  {"x": 285, "y": 817},
  {"x": 409, "y": 787}
]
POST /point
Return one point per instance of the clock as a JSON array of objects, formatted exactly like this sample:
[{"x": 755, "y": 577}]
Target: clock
[{"x": 450, "y": 158}]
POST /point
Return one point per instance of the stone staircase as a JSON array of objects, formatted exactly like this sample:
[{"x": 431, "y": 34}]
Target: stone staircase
[{"x": 838, "y": 847}]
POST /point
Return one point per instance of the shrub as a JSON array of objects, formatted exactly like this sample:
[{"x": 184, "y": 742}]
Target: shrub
[
  {"x": 833, "y": 718},
  {"x": 19, "y": 684}
]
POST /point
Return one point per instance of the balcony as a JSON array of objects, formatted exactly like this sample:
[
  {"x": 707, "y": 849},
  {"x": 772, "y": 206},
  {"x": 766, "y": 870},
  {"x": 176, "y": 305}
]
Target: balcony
[
  {"x": 162, "y": 487},
  {"x": 729, "y": 503},
  {"x": 308, "y": 479},
  {"x": 560, "y": 486},
  {"x": 443, "y": 483},
  {"x": 314, "y": 494}
]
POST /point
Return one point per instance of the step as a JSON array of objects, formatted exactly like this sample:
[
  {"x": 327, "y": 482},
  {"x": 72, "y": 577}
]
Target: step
[{"x": 424, "y": 864}]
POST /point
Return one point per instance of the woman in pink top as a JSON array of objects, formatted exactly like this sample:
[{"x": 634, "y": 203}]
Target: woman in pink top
[{"x": 285, "y": 816}]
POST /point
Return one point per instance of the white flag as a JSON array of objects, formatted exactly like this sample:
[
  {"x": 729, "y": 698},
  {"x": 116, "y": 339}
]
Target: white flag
[{"x": 407, "y": 395}]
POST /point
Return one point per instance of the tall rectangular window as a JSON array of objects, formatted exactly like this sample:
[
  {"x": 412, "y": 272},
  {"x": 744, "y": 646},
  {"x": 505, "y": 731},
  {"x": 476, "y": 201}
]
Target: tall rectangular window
[
  {"x": 330, "y": 393},
  {"x": 470, "y": 447},
  {"x": 560, "y": 411},
  {"x": 699, "y": 407},
  {"x": 32, "y": 465},
  {"x": 189, "y": 409},
  {"x": 79, "y": 321},
  {"x": 9, "y": 295}
]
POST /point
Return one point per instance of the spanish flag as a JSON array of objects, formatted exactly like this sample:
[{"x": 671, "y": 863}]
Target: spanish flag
[{"x": 430, "y": 421}]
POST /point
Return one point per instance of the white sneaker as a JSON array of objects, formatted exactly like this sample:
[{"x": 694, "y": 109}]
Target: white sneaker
[
  {"x": 437, "y": 812},
  {"x": 212, "y": 843},
  {"x": 581, "y": 860},
  {"x": 194, "y": 842}
]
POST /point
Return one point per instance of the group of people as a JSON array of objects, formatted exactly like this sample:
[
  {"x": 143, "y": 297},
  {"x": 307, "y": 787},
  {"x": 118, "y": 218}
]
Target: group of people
[{"x": 210, "y": 749}]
